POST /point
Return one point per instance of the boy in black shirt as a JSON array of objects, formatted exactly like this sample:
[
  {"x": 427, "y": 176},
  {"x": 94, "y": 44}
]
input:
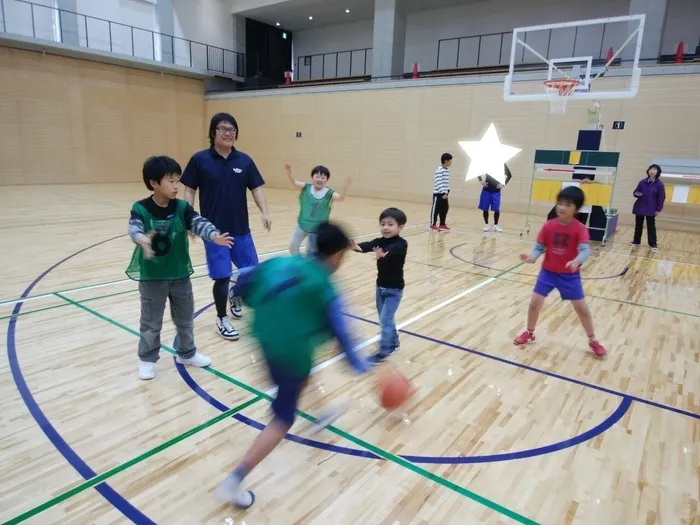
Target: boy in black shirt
[{"x": 390, "y": 250}]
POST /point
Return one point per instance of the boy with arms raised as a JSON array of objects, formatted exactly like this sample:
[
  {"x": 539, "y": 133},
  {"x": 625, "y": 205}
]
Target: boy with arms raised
[{"x": 315, "y": 201}]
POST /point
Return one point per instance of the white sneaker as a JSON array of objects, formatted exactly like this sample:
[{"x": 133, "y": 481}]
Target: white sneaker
[
  {"x": 498, "y": 229},
  {"x": 487, "y": 228},
  {"x": 230, "y": 491},
  {"x": 197, "y": 359},
  {"x": 147, "y": 370},
  {"x": 226, "y": 330},
  {"x": 236, "y": 306}
]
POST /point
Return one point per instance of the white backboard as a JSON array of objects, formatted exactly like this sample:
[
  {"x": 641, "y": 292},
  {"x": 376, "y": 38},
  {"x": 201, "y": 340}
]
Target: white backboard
[{"x": 584, "y": 50}]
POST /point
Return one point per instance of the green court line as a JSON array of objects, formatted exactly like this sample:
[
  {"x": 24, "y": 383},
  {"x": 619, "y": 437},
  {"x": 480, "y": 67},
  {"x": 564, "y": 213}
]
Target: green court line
[
  {"x": 138, "y": 459},
  {"x": 353, "y": 439}
]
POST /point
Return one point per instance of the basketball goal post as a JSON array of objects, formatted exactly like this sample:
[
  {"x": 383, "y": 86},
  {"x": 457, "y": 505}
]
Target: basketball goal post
[
  {"x": 572, "y": 57},
  {"x": 570, "y": 74}
]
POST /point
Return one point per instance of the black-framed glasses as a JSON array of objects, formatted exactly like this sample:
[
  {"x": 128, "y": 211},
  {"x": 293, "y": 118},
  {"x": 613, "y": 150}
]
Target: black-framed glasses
[{"x": 223, "y": 129}]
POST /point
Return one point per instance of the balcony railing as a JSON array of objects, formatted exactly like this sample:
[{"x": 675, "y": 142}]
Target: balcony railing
[
  {"x": 493, "y": 49},
  {"x": 356, "y": 62},
  {"x": 24, "y": 18}
]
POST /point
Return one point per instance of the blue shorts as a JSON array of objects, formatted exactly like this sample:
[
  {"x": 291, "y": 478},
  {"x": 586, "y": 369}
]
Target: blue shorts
[
  {"x": 289, "y": 389},
  {"x": 568, "y": 285},
  {"x": 219, "y": 258},
  {"x": 489, "y": 200}
]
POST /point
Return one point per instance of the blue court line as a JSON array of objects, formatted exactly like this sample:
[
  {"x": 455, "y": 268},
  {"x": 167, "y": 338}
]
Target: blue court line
[
  {"x": 613, "y": 418},
  {"x": 540, "y": 371},
  {"x": 106, "y": 491},
  {"x": 453, "y": 254}
]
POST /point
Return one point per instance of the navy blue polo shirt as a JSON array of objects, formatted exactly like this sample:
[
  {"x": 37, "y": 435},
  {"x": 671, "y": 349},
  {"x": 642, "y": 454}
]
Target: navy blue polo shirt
[{"x": 223, "y": 184}]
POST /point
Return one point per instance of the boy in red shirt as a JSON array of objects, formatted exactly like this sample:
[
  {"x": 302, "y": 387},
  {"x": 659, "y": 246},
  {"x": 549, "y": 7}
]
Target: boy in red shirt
[{"x": 564, "y": 242}]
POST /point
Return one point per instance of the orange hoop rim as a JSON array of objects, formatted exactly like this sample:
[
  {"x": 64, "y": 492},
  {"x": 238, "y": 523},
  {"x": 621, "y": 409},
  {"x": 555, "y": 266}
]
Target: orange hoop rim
[{"x": 565, "y": 86}]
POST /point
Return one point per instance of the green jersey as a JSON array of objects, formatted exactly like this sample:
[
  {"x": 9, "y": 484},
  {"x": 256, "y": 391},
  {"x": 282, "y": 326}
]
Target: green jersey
[
  {"x": 289, "y": 296},
  {"x": 171, "y": 258},
  {"x": 313, "y": 211}
]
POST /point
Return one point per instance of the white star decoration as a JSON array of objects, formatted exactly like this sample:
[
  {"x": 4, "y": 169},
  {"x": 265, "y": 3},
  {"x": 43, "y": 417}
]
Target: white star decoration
[{"x": 488, "y": 156}]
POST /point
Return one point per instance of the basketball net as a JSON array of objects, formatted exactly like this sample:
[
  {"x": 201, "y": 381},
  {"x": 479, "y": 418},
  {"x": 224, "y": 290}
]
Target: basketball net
[{"x": 560, "y": 90}]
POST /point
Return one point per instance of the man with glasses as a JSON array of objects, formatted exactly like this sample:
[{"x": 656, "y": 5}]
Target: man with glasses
[{"x": 223, "y": 175}]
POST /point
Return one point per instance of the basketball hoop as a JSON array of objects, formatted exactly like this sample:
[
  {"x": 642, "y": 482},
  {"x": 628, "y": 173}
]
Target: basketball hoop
[{"x": 560, "y": 90}]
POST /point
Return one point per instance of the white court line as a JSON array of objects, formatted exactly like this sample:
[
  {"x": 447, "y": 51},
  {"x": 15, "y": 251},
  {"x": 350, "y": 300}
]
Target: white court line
[
  {"x": 98, "y": 285},
  {"x": 412, "y": 320},
  {"x": 121, "y": 281}
]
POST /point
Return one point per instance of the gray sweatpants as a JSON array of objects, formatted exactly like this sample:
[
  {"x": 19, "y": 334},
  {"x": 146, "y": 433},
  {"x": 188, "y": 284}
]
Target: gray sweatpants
[
  {"x": 298, "y": 236},
  {"x": 153, "y": 296}
]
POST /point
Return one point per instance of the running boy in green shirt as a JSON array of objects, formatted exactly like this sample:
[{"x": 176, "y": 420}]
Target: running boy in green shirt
[
  {"x": 161, "y": 263},
  {"x": 315, "y": 202},
  {"x": 296, "y": 309}
]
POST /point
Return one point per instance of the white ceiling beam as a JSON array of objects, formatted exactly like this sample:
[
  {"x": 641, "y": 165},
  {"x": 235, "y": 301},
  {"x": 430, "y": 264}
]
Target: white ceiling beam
[{"x": 241, "y": 6}]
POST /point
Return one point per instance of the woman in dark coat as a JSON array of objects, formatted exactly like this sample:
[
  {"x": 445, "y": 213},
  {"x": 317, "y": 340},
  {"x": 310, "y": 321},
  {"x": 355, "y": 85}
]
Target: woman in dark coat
[{"x": 650, "y": 194}]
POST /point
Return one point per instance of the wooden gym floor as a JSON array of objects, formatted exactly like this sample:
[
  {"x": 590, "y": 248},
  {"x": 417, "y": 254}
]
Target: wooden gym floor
[{"x": 496, "y": 434}]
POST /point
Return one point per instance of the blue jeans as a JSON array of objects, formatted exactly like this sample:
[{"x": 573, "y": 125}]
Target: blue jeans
[{"x": 388, "y": 300}]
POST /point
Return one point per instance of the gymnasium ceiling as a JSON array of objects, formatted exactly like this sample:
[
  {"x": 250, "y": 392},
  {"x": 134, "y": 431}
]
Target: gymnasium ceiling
[{"x": 293, "y": 15}]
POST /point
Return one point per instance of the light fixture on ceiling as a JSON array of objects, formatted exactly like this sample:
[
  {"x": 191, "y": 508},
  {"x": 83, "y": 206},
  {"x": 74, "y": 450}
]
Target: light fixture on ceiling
[
  {"x": 347, "y": 10},
  {"x": 311, "y": 18},
  {"x": 277, "y": 24}
]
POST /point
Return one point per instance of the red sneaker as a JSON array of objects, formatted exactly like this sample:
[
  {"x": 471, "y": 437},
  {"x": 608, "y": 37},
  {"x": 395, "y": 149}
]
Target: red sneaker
[
  {"x": 435, "y": 228},
  {"x": 525, "y": 338},
  {"x": 444, "y": 228},
  {"x": 597, "y": 348}
]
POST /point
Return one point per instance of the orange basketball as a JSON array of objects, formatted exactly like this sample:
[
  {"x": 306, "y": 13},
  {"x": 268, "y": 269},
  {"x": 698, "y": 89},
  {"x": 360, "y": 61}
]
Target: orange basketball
[{"x": 394, "y": 389}]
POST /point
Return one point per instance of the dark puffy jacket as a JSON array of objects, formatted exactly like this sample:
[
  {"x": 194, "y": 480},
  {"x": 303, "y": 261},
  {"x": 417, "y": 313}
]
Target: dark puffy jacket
[{"x": 653, "y": 195}]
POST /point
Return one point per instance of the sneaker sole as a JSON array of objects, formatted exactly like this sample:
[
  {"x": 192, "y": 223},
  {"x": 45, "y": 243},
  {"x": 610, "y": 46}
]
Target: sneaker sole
[
  {"x": 523, "y": 344},
  {"x": 192, "y": 364},
  {"x": 225, "y": 497},
  {"x": 252, "y": 500}
]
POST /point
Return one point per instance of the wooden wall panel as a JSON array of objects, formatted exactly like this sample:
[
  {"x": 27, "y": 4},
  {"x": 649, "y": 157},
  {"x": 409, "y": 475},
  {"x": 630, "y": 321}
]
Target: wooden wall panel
[
  {"x": 390, "y": 141},
  {"x": 65, "y": 120}
]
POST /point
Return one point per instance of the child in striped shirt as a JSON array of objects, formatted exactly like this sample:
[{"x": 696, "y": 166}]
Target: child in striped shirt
[{"x": 441, "y": 190}]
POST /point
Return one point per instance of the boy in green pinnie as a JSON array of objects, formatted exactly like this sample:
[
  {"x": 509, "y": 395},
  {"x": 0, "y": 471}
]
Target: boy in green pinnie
[
  {"x": 161, "y": 263},
  {"x": 315, "y": 202}
]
